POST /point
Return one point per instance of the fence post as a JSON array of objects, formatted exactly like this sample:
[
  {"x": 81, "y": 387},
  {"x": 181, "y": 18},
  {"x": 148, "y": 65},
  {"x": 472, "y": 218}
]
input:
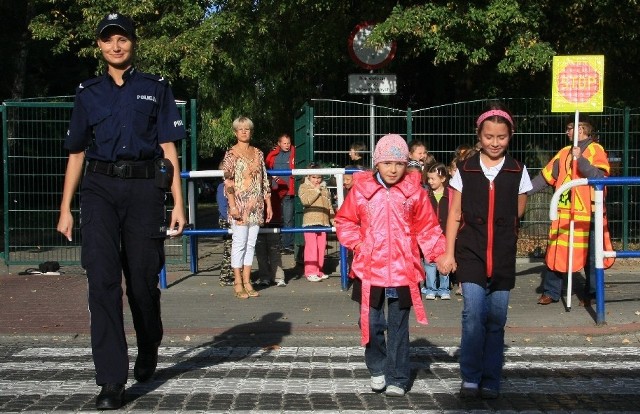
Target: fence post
[
  {"x": 409, "y": 125},
  {"x": 625, "y": 189},
  {"x": 599, "y": 252}
]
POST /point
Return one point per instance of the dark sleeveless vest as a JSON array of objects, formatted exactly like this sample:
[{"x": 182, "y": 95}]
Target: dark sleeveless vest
[{"x": 486, "y": 242}]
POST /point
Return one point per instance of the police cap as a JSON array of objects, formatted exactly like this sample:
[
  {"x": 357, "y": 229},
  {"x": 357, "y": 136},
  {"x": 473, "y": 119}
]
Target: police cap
[{"x": 117, "y": 20}]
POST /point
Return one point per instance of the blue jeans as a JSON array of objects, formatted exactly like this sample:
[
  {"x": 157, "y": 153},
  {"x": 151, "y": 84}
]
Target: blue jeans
[
  {"x": 432, "y": 275},
  {"x": 287, "y": 221},
  {"x": 484, "y": 315},
  {"x": 390, "y": 357},
  {"x": 552, "y": 280}
]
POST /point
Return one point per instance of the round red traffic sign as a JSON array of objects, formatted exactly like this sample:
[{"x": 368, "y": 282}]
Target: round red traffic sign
[{"x": 365, "y": 56}]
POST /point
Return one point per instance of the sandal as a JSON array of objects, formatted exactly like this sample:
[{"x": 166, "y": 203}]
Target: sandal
[
  {"x": 243, "y": 294},
  {"x": 252, "y": 293}
]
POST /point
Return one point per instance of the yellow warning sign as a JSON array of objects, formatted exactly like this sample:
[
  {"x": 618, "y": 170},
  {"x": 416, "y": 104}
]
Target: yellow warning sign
[{"x": 578, "y": 83}]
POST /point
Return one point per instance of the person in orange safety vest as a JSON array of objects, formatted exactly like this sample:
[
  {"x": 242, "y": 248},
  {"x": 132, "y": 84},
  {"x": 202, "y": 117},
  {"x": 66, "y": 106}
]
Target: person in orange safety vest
[{"x": 592, "y": 162}]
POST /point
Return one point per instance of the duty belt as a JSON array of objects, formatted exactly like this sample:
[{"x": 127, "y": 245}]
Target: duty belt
[{"x": 123, "y": 169}]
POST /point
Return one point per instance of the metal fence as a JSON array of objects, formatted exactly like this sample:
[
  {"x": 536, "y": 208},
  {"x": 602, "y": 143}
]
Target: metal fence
[
  {"x": 539, "y": 135},
  {"x": 34, "y": 162}
]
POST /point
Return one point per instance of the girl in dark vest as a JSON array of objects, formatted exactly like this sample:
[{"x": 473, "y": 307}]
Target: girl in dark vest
[
  {"x": 481, "y": 235},
  {"x": 436, "y": 178}
]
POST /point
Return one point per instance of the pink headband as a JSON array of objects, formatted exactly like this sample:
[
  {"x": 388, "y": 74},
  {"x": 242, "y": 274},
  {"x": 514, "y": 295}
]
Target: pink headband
[{"x": 494, "y": 112}]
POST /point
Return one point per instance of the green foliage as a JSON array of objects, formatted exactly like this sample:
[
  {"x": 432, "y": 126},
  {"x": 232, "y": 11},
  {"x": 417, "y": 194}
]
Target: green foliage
[
  {"x": 219, "y": 129},
  {"x": 265, "y": 58},
  {"x": 503, "y": 31}
]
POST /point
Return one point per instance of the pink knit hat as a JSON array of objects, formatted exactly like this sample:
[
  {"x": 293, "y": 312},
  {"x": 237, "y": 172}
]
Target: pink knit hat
[{"x": 391, "y": 147}]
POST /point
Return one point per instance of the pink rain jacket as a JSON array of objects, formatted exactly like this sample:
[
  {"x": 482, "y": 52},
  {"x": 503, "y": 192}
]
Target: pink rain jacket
[{"x": 392, "y": 224}]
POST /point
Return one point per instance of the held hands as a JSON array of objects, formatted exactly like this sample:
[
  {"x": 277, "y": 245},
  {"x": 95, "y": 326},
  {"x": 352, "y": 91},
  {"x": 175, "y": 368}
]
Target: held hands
[{"x": 446, "y": 264}]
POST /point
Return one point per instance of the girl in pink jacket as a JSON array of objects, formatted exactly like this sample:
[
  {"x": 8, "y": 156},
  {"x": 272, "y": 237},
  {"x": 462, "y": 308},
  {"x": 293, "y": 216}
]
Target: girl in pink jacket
[{"x": 386, "y": 219}]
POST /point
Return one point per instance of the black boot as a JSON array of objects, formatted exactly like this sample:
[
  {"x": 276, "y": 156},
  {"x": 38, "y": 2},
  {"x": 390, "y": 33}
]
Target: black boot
[
  {"x": 146, "y": 363},
  {"x": 111, "y": 397}
]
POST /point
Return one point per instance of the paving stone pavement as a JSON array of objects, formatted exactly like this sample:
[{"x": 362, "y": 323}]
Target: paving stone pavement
[
  {"x": 205, "y": 378},
  {"x": 295, "y": 349}
]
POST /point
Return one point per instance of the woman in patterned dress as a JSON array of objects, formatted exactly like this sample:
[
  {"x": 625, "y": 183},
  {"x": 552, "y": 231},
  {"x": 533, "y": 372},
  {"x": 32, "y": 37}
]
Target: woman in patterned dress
[{"x": 248, "y": 192}]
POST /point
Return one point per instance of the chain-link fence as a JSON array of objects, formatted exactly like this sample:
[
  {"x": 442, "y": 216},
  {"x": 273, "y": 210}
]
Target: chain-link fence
[
  {"x": 539, "y": 135},
  {"x": 34, "y": 163}
]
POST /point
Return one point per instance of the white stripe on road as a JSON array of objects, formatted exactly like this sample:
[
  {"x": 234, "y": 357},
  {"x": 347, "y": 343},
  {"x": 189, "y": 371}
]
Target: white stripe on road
[
  {"x": 234, "y": 386},
  {"x": 225, "y": 366},
  {"x": 328, "y": 351}
]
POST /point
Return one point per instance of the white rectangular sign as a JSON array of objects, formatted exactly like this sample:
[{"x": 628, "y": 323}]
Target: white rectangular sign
[{"x": 370, "y": 84}]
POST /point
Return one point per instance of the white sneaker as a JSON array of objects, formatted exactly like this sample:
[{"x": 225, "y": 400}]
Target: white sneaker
[
  {"x": 281, "y": 283},
  {"x": 445, "y": 297},
  {"x": 430, "y": 296},
  {"x": 314, "y": 278},
  {"x": 378, "y": 383},
  {"x": 323, "y": 277},
  {"x": 394, "y": 391}
]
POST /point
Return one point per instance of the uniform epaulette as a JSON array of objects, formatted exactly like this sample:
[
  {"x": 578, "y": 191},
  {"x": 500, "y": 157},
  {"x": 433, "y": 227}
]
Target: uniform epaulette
[
  {"x": 160, "y": 79},
  {"x": 88, "y": 83}
]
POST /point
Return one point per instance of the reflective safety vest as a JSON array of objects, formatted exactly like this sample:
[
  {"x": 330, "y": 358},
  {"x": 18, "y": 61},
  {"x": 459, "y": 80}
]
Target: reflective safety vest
[{"x": 557, "y": 256}]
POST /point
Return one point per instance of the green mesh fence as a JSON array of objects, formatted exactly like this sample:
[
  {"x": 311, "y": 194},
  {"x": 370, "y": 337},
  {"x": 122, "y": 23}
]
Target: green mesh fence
[
  {"x": 539, "y": 135},
  {"x": 34, "y": 163}
]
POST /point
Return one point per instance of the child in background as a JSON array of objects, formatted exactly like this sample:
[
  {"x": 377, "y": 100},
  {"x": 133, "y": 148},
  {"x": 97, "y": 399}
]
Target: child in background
[
  {"x": 282, "y": 157},
  {"x": 429, "y": 161},
  {"x": 317, "y": 212},
  {"x": 226, "y": 272},
  {"x": 386, "y": 221},
  {"x": 418, "y": 152},
  {"x": 347, "y": 178},
  {"x": 347, "y": 181},
  {"x": 357, "y": 155},
  {"x": 437, "y": 178},
  {"x": 489, "y": 198},
  {"x": 462, "y": 152}
]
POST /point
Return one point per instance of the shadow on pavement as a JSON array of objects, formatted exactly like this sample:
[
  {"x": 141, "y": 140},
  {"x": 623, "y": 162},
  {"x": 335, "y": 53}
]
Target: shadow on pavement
[{"x": 265, "y": 335}]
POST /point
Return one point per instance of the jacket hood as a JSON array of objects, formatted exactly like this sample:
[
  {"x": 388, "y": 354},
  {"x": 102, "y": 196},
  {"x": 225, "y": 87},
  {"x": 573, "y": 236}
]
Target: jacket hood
[{"x": 368, "y": 185}]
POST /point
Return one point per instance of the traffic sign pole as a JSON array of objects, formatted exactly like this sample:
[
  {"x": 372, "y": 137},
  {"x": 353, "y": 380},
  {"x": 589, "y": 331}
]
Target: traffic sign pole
[
  {"x": 574, "y": 175},
  {"x": 577, "y": 86}
]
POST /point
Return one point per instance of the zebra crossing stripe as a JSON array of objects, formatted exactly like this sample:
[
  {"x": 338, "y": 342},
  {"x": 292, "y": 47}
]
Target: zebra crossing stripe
[
  {"x": 224, "y": 366},
  {"x": 235, "y": 386},
  {"x": 231, "y": 352}
]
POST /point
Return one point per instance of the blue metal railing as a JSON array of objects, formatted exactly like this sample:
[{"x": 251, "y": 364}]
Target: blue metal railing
[
  {"x": 194, "y": 232},
  {"x": 600, "y": 253}
]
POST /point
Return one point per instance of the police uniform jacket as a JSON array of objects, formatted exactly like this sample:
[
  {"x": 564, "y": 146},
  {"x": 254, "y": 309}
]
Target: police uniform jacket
[{"x": 127, "y": 122}]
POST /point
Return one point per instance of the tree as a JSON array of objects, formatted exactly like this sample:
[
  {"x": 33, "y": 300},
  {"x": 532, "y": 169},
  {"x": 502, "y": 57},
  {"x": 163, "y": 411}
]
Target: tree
[
  {"x": 265, "y": 58},
  {"x": 262, "y": 59},
  {"x": 505, "y": 47},
  {"x": 482, "y": 41}
]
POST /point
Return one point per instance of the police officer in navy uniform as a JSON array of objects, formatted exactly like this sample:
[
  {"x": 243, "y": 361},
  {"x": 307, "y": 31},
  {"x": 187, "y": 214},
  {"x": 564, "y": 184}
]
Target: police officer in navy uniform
[{"x": 124, "y": 125}]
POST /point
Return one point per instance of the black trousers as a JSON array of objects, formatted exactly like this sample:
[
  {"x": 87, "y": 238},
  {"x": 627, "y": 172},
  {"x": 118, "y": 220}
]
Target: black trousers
[{"x": 122, "y": 223}]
